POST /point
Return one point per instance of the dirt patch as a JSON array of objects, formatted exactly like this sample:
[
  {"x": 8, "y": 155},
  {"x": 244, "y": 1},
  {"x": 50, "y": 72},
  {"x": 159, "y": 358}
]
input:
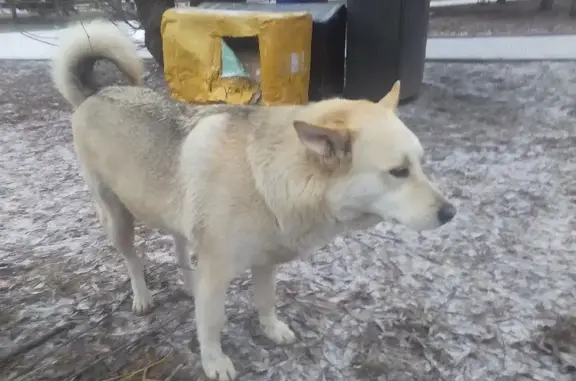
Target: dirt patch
[
  {"x": 470, "y": 301},
  {"x": 515, "y": 18}
]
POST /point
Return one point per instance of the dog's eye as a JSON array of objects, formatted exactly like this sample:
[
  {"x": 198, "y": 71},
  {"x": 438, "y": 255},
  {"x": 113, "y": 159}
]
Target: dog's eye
[{"x": 400, "y": 172}]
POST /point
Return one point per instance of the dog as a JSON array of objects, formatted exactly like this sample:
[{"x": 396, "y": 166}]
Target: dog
[{"x": 242, "y": 187}]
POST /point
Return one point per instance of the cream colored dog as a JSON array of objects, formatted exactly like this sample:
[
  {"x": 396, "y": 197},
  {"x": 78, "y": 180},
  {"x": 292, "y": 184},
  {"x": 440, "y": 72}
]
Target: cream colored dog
[{"x": 246, "y": 187}]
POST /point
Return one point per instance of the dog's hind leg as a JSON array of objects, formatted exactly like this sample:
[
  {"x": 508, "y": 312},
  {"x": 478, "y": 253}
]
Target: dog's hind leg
[
  {"x": 211, "y": 286},
  {"x": 264, "y": 284},
  {"x": 119, "y": 224},
  {"x": 185, "y": 263}
]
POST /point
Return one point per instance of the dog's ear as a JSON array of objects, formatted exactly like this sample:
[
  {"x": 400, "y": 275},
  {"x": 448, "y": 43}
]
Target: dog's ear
[
  {"x": 391, "y": 99},
  {"x": 323, "y": 141}
]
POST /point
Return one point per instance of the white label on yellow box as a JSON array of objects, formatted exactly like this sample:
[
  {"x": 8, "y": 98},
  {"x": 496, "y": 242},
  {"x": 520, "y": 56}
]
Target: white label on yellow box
[{"x": 294, "y": 63}]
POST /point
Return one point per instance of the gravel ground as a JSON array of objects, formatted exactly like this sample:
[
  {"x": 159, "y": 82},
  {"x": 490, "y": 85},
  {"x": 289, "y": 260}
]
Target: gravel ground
[
  {"x": 516, "y": 18},
  {"x": 488, "y": 297}
]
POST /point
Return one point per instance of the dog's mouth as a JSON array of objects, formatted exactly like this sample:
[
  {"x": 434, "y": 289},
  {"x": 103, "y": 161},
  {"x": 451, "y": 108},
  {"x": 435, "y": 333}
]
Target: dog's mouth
[{"x": 363, "y": 220}]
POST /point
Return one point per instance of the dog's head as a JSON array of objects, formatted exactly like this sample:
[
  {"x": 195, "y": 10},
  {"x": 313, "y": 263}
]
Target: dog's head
[{"x": 372, "y": 163}]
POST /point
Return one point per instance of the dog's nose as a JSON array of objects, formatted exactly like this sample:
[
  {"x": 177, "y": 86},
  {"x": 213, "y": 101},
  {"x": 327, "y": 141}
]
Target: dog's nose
[{"x": 446, "y": 213}]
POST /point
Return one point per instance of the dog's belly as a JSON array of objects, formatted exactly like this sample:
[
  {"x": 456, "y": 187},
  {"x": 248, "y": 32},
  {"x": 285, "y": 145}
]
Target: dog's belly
[{"x": 277, "y": 256}]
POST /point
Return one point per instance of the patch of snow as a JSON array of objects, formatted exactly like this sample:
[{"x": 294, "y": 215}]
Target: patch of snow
[{"x": 42, "y": 44}]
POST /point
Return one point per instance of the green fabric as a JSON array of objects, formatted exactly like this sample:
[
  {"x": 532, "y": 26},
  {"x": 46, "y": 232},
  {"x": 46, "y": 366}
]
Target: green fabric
[{"x": 231, "y": 65}]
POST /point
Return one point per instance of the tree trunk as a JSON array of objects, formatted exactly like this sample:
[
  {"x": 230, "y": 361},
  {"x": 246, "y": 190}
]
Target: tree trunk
[{"x": 150, "y": 15}]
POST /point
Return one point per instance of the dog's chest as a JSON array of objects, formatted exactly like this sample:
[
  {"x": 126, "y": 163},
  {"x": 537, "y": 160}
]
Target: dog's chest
[
  {"x": 298, "y": 243},
  {"x": 303, "y": 245},
  {"x": 281, "y": 255}
]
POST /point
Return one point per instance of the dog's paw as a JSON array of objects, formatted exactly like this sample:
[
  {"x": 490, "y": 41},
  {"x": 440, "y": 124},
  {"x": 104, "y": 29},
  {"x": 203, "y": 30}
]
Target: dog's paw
[
  {"x": 278, "y": 332},
  {"x": 219, "y": 368},
  {"x": 142, "y": 303}
]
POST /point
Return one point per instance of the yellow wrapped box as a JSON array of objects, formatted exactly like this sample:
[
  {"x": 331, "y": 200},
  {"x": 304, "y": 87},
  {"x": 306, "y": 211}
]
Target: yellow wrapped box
[{"x": 193, "y": 53}]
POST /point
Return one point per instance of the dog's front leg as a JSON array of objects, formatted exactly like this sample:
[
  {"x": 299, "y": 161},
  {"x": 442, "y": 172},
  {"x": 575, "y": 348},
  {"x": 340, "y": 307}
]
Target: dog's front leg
[
  {"x": 264, "y": 283},
  {"x": 212, "y": 282}
]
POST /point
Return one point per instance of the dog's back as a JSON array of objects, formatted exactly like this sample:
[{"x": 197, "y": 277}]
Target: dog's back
[
  {"x": 116, "y": 128},
  {"x": 128, "y": 138}
]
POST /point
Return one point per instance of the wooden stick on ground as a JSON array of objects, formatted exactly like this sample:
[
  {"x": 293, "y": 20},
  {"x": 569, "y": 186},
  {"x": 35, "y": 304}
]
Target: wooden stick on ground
[{"x": 35, "y": 342}]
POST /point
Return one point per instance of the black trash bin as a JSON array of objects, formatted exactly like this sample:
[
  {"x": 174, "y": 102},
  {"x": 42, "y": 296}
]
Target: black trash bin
[{"x": 386, "y": 41}]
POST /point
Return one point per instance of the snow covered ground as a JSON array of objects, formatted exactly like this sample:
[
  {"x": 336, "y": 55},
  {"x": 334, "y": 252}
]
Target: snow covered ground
[
  {"x": 41, "y": 44},
  {"x": 489, "y": 297}
]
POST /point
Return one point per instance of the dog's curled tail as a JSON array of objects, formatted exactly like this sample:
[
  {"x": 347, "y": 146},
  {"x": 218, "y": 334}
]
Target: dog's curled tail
[{"x": 83, "y": 45}]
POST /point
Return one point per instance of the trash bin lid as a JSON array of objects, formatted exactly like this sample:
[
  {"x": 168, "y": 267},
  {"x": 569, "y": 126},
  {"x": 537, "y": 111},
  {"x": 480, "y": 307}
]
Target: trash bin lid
[{"x": 321, "y": 12}]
